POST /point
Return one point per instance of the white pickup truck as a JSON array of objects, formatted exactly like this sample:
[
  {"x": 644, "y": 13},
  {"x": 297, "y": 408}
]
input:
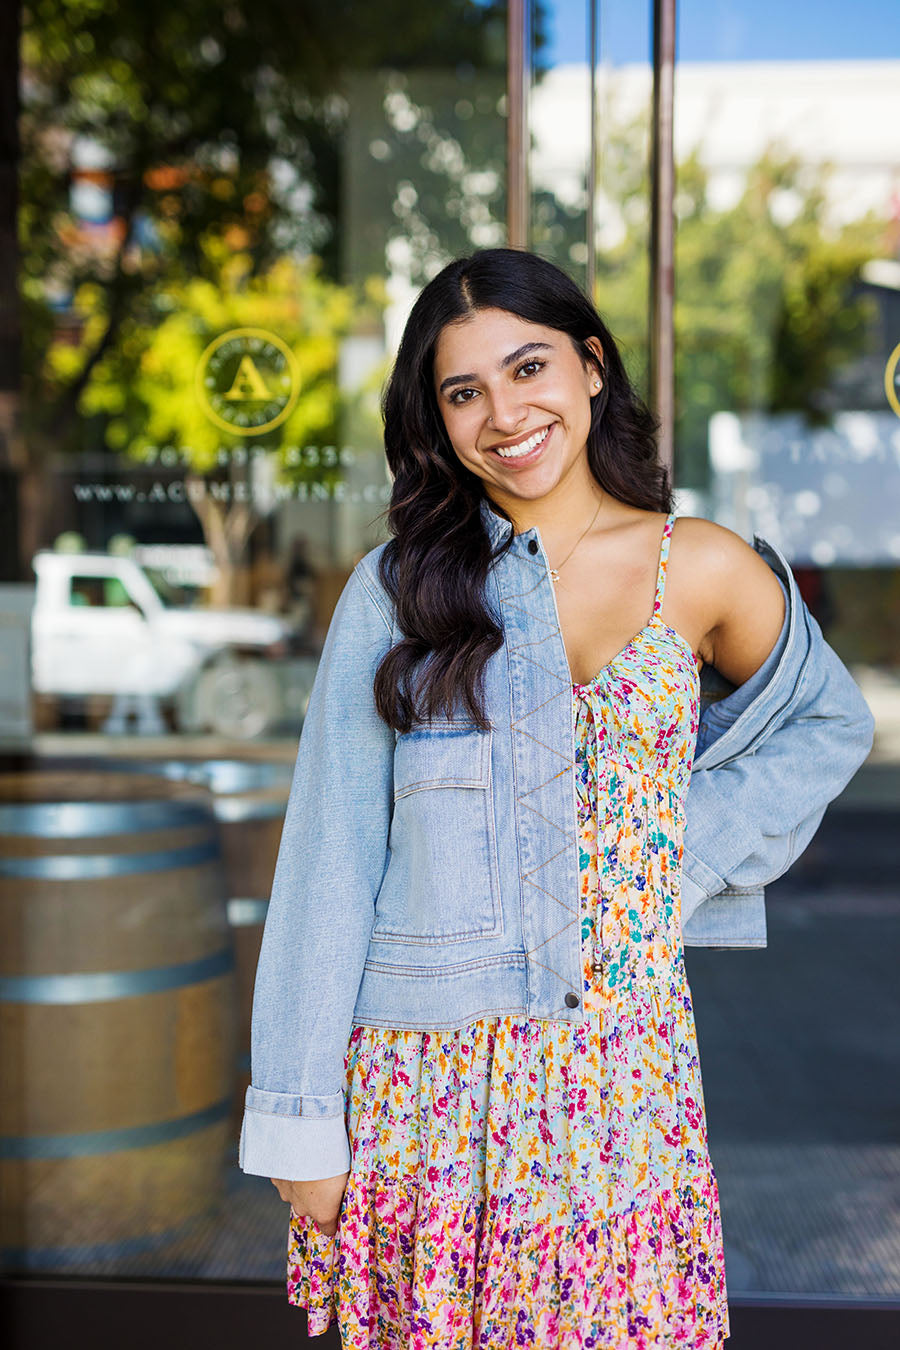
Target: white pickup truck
[{"x": 100, "y": 626}]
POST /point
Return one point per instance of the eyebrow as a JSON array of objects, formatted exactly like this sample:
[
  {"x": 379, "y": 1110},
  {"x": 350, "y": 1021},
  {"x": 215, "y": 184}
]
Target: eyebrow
[{"x": 510, "y": 360}]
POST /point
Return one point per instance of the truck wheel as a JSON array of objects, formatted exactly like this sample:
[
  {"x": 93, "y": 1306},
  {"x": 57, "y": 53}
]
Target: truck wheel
[{"x": 239, "y": 698}]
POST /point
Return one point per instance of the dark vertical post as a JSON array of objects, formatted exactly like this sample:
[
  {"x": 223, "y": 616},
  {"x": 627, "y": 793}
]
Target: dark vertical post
[
  {"x": 590, "y": 223},
  {"x": 517, "y": 212},
  {"x": 11, "y": 565},
  {"x": 662, "y": 230}
]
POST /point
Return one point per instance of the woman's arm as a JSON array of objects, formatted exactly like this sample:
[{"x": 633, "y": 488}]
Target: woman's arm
[
  {"x": 330, "y": 865},
  {"x": 752, "y": 811},
  {"x": 738, "y": 599}
]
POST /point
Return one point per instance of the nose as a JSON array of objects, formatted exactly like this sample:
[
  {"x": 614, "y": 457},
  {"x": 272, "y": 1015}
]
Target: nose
[{"x": 507, "y": 411}]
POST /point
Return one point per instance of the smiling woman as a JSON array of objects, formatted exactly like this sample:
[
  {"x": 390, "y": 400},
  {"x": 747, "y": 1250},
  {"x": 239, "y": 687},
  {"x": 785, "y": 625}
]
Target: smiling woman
[
  {"x": 476, "y": 1074},
  {"x": 507, "y": 383}
]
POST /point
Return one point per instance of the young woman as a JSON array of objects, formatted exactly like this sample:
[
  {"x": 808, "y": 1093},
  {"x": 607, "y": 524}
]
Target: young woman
[{"x": 475, "y": 1068}]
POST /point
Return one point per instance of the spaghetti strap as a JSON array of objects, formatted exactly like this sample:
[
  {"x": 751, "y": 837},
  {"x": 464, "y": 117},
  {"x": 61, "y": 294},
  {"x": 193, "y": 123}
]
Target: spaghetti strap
[{"x": 663, "y": 559}]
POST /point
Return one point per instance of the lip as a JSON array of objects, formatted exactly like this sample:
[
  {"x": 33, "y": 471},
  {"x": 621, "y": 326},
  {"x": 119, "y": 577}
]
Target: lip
[{"x": 523, "y": 459}]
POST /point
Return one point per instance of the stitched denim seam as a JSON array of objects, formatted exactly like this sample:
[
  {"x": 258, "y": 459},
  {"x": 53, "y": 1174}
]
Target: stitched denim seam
[
  {"x": 511, "y": 961},
  {"x": 373, "y": 597},
  {"x": 514, "y": 774},
  {"x": 423, "y": 784},
  {"x": 570, "y": 833},
  {"x": 435, "y": 939},
  {"x": 510, "y": 1010}
]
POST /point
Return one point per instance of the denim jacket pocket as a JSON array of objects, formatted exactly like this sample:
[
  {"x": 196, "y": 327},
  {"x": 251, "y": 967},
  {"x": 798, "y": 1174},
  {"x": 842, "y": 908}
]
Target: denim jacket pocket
[{"x": 441, "y": 883}]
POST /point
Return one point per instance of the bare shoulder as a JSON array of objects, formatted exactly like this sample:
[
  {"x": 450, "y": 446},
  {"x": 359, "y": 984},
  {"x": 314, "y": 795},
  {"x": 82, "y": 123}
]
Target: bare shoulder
[
  {"x": 732, "y": 591},
  {"x": 713, "y": 548}
]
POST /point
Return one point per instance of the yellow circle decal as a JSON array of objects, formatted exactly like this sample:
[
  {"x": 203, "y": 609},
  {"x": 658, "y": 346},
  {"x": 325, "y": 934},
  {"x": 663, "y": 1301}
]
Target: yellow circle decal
[
  {"x": 892, "y": 378},
  {"x": 248, "y": 381}
]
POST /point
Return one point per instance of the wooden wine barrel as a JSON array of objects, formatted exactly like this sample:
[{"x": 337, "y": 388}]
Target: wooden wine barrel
[
  {"x": 250, "y": 799},
  {"x": 116, "y": 1012},
  {"x": 250, "y": 802}
]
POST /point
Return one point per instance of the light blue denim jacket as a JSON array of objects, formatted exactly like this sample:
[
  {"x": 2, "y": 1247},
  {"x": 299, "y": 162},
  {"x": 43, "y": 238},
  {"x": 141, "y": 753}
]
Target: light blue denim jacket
[{"x": 431, "y": 878}]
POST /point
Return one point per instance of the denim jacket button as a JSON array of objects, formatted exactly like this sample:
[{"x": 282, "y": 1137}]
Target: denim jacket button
[
  {"x": 572, "y": 1000},
  {"x": 532, "y": 546}
]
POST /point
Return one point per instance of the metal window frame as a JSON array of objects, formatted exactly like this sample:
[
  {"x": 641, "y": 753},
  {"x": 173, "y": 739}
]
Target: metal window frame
[
  {"x": 661, "y": 317},
  {"x": 518, "y": 77}
]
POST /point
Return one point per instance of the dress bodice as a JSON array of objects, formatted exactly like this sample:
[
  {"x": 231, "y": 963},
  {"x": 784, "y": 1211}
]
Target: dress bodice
[
  {"x": 636, "y": 728},
  {"x": 641, "y": 710}
]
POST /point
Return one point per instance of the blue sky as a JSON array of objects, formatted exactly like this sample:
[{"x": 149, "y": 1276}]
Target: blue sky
[{"x": 734, "y": 30}]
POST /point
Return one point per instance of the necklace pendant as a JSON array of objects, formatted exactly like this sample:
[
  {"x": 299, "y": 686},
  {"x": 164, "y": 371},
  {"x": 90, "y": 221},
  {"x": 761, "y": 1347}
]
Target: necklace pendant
[{"x": 554, "y": 575}]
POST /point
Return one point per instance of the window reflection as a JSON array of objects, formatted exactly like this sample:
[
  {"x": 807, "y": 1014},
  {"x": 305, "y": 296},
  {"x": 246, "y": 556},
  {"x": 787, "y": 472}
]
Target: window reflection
[
  {"x": 786, "y": 317},
  {"x": 224, "y": 221}
]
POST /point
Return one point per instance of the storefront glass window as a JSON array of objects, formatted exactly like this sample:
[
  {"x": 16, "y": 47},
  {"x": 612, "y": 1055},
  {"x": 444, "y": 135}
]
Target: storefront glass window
[
  {"x": 787, "y": 325},
  {"x": 223, "y": 221}
]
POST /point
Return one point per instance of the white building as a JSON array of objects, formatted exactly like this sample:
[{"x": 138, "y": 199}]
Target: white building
[{"x": 841, "y": 113}]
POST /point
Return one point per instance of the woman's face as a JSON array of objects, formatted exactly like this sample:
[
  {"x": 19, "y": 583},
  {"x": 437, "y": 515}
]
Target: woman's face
[{"x": 516, "y": 402}]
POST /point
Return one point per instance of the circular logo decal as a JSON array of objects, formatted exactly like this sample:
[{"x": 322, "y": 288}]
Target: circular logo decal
[
  {"x": 892, "y": 379},
  {"x": 248, "y": 381}
]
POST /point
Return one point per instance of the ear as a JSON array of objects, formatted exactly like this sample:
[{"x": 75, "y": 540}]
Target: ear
[{"x": 594, "y": 345}]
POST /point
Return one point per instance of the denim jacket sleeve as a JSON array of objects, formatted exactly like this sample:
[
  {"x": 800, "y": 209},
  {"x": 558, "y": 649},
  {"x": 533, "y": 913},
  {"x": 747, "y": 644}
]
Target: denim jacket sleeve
[
  {"x": 775, "y": 761},
  {"x": 331, "y": 861}
]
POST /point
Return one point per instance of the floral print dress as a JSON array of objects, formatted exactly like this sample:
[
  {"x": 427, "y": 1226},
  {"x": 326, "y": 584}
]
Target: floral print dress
[{"x": 520, "y": 1182}]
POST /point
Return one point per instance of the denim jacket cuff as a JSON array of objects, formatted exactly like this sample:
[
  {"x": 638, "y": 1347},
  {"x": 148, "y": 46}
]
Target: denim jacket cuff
[
  {"x": 292, "y": 1104},
  {"x": 698, "y": 883},
  {"x": 291, "y": 1146}
]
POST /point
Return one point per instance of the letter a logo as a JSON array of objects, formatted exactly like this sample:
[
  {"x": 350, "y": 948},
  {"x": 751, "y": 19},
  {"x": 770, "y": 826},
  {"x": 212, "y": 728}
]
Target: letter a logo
[{"x": 248, "y": 383}]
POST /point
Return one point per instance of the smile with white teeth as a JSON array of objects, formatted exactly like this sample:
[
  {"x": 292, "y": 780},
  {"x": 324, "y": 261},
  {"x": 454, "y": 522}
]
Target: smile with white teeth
[{"x": 524, "y": 447}]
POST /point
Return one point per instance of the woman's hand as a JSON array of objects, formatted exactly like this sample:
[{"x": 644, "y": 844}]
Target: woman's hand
[{"x": 318, "y": 1200}]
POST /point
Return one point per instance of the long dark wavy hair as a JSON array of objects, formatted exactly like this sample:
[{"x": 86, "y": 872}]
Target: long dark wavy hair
[{"x": 436, "y": 564}]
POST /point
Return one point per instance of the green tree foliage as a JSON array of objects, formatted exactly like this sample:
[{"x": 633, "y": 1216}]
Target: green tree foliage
[
  {"x": 144, "y": 386},
  {"x": 212, "y": 118},
  {"x": 768, "y": 315},
  {"x": 222, "y": 131}
]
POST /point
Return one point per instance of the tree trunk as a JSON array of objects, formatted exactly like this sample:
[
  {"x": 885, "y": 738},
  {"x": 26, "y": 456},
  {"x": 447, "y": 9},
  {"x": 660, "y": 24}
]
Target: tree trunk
[{"x": 226, "y": 530}]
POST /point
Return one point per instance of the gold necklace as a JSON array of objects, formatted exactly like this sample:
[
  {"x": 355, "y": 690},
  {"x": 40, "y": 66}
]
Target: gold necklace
[{"x": 554, "y": 571}]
